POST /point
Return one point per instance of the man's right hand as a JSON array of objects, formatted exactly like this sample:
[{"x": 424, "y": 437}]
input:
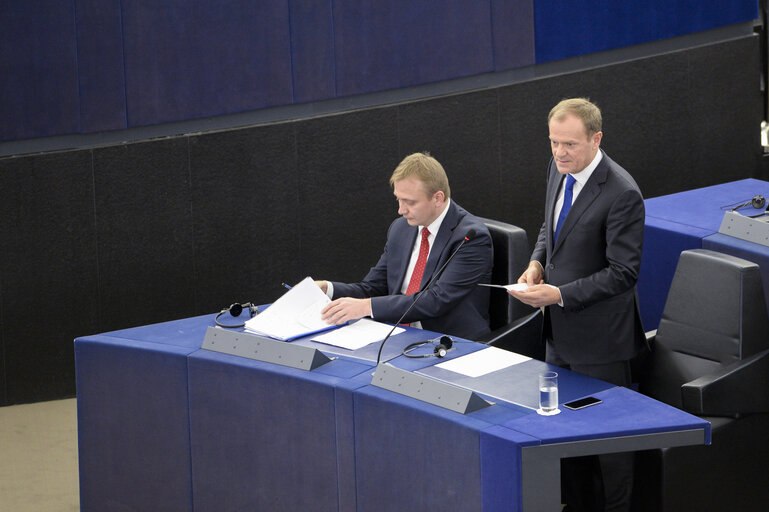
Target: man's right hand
[
  {"x": 323, "y": 285},
  {"x": 533, "y": 275}
]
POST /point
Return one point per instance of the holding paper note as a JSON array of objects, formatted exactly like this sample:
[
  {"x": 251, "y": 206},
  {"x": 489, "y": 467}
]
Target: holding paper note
[
  {"x": 518, "y": 287},
  {"x": 295, "y": 314}
]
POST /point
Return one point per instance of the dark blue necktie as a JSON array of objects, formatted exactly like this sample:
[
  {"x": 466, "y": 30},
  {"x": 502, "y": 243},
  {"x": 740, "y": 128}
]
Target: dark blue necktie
[{"x": 567, "y": 198}]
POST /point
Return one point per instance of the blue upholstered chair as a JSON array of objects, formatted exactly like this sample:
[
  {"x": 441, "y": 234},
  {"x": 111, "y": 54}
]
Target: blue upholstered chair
[{"x": 710, "y": 357}]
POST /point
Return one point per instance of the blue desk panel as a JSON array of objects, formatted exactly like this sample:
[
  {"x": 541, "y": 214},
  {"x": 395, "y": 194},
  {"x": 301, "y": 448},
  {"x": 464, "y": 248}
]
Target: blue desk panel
[
  {"x": 411, "y": 455},
  {"x": 678, "y": 222},
  {"x": 416, "y": 456},
  {"x": 133, "y": 417},
  {"x": 663, "y": 243},
  {"x": 264, "y": 437},
  {"x": 133, "y": 425},
  {"x": 164, "y": 425}
]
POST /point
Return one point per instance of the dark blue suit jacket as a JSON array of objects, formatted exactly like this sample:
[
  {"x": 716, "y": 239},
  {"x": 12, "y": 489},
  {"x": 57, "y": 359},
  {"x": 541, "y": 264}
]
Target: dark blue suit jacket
[
  {"x": 454, "y": 304},
  {"x": 595, "y": 263}
]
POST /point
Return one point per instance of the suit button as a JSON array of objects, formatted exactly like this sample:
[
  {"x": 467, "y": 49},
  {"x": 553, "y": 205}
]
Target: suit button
[{"x": 551, "y": 266}]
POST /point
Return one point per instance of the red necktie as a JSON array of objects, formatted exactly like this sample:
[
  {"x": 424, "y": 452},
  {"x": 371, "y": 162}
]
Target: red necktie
[{"x": 419, "y": 269}]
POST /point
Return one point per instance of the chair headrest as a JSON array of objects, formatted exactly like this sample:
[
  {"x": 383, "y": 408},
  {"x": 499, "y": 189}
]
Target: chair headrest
[{"x": 715, "y": 309}]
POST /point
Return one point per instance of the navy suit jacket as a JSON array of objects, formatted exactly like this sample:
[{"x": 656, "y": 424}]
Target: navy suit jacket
[
  {"x": 454, "y": 304},
  {"x": 595, "y": 263}
]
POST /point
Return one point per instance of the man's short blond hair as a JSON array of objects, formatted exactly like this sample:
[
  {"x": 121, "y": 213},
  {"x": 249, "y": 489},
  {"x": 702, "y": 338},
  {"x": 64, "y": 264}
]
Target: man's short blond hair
[
  {"x": 426, "y": 169},
  {"x": 583, "y": 109}
]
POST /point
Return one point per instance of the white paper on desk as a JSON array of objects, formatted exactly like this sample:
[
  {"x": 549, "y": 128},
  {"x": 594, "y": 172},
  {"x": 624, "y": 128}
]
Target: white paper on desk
[
  {"x": 358, "y": 334},
  {"x": 296, "y": 313},
  {"x": 518, "y": 287},
  {"x": 483, "y": 361}
]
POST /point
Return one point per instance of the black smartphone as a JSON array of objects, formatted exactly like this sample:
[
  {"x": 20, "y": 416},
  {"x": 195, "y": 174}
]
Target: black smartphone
[{"x": 582, "y": 403}]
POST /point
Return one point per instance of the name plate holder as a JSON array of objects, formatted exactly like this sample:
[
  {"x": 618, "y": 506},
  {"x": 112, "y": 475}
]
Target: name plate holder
[
  {"x": 427, "y": 389},
  {"x": 265, "y": 349},
  {"x": 750, "y": 229}
]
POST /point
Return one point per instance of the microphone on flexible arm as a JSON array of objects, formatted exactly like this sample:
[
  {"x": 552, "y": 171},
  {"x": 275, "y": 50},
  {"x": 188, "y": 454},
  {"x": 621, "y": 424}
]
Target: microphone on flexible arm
[{"x": 469, "y": 236}]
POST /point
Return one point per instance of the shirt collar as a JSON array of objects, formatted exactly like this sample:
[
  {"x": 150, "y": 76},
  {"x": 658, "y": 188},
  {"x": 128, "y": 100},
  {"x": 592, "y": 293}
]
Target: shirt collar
[
  {"x": 436, "y": 224},
  {"x": 585, "y": 173}
]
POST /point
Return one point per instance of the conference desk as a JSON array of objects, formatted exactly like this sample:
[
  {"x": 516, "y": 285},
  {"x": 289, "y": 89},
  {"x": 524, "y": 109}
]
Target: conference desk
[
  {"x": 166, "y": 425},
  {"x": 690, "y": 220}
]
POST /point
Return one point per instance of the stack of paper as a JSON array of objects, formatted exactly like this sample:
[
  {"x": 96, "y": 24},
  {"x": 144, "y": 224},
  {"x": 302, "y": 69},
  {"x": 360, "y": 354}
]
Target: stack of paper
[
  {"x": 358, "y": 334},
  {"x": 295, "y": 314}
]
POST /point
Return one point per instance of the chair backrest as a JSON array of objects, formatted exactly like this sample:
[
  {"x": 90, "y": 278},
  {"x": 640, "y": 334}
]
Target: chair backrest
[
  {"x": 715, "y": 314},
  {"x": 511, "y": 257}
]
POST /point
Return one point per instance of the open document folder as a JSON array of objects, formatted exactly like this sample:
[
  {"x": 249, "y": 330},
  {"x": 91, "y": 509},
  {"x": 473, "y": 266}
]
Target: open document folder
[{"x": 295, "y": 314}]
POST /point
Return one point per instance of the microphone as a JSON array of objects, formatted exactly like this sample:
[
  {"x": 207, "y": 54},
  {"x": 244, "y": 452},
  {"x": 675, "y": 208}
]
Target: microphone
[{"x": 469, "y": 236}]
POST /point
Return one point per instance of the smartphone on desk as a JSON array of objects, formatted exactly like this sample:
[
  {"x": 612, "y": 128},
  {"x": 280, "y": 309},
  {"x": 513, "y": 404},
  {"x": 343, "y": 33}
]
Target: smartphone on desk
[{"x": 582, "y": 403}]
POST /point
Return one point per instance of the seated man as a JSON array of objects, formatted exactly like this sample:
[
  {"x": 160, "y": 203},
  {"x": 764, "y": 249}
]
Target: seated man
[{"x": 430, "y": 229}]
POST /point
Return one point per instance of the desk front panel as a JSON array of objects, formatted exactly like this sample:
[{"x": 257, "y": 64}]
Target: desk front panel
[
  {"x": 133, "y": 425},
  {"x": 266, "y": 437}
]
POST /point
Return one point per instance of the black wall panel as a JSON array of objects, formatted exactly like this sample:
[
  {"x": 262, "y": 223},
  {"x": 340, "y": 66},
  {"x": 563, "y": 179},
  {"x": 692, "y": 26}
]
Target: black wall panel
[
  {"x": 144, "y": 232},
  {"x": 525, "y": 149},
  {"x": 101, "y": 239},
  {"x": 461, "y": 132},
  {"x": 344, "y": 165},
  {"x": 48, "y": 271},
  {"x": 245, "y": 210}
]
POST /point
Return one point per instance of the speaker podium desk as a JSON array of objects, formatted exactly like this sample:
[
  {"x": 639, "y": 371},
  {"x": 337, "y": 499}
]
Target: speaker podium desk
[{"x": 165, "y": 425}]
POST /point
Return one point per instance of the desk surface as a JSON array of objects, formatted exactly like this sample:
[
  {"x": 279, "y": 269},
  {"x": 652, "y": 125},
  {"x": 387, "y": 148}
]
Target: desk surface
[
  {"x": 703, "y": 208},
  {"x": 688, "y": 220},
  {"x": 189, "y": 426}
]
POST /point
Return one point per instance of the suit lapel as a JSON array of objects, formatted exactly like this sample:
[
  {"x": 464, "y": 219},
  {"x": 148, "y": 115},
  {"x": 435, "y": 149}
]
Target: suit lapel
[
  {"x": 553, "y": 186},
  {"x": 402, "y": 257},
  {"x": 450, "y": 222},
  {"x": 587, "y": 195}
]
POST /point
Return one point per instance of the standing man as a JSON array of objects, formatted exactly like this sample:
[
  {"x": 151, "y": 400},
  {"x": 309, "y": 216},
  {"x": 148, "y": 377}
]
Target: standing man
[
  {"x": 583, "y": 271},
  {"x": 430, "y": 229}
]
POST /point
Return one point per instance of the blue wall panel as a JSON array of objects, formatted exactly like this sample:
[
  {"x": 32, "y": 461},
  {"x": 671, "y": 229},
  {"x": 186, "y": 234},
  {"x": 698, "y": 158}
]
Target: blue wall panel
[
  {"x": 567, "y": 28},
  {"x": 312, "y": 50},
  {"x": 38, "y": 74},
  {"x": 513, "y": 28},
  {"x": 386, "y": 45},
  {"x": 100, "y": 65},
  {"x": 190, "y": 59},
  {"x": 82, "y": 66}
]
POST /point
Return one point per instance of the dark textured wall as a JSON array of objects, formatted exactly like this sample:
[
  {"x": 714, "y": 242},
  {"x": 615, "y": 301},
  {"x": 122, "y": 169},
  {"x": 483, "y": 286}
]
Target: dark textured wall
[{"x": 107, "y": 238}]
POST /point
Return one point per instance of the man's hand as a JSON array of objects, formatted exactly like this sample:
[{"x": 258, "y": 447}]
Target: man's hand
[
  {"x": 538, "y": 295},
  {"x": 323, "y": 285},
  {"x": 533, "y": 274},
  {"x": 343, "y": 310}
]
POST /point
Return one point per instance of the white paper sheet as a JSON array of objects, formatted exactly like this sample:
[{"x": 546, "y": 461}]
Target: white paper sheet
[
  {"x": 483, "y": 361},
  {"x": 296, "y": 313},
  {"x": 358, "y": 334},
  {"x": 519, "y": 287}
]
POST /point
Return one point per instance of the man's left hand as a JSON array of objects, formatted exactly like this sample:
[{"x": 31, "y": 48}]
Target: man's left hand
[
  {"x": 538, "y": 295},
  {"x": 345, "y": 309}
]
